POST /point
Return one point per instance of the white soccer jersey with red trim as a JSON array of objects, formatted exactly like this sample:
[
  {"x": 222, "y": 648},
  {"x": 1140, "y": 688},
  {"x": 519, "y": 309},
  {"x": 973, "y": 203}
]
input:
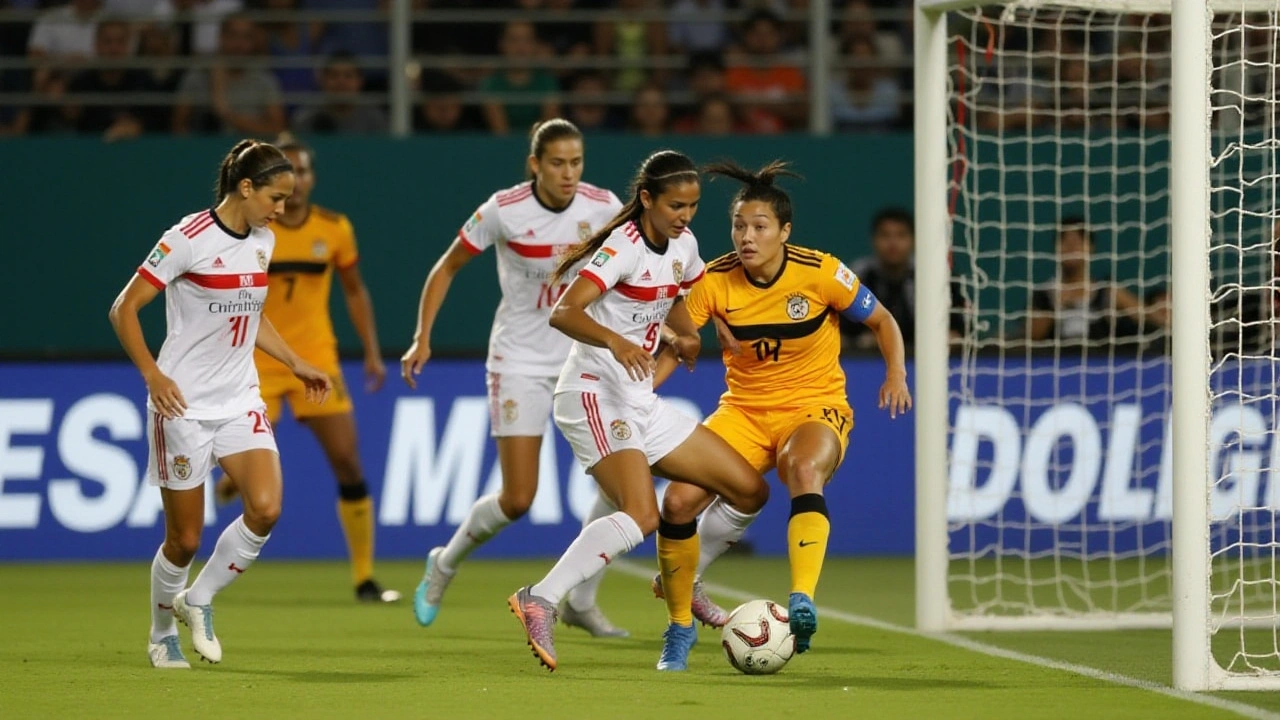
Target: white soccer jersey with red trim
[
  {"x": 639, "y": 283},
  {"x": 529, "y": 238},
  {"x": 214, "y": 284}
]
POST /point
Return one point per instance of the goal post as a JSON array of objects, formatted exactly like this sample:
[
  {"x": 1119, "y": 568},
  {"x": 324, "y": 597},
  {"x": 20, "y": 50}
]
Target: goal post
[{"x": 1082, "y": 461}]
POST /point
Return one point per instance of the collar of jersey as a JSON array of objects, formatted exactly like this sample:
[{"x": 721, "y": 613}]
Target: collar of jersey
[
  {"x": 227, "y": 230},
  {"x": 647, "y": 243},
  {"x": 534, "y": 185},
  {"x": 772, "y": 281}
]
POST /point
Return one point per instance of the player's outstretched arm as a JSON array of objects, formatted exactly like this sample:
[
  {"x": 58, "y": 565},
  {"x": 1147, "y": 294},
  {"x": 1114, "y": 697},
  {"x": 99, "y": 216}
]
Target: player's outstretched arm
[
  {"x": 434, "y": 291},
  {"x": 164, "y": 392},
  {"x": 570, "y": 317},
  {"x": 317, "y": 382}
]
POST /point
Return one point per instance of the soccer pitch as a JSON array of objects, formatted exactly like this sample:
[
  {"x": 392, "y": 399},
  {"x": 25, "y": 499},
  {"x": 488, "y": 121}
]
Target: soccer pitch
[{"x": 73, "y": 644}]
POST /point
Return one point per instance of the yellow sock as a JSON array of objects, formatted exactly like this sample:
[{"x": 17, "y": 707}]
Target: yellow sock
[
  {"x": 357, "y": 525},
  {"x": 678, "y": 560},
  {"x": 807, "y": 534}
]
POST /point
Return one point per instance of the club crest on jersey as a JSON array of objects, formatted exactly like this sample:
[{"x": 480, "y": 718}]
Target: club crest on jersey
[
  {"x": 603, "y": 256},
  {"x": 845, "y": 276},
  {"x": 620, "y": 430},
  {"x": 182, "y": 467},
  {"x": 797, "y": 307},
  {"x": 510, "y": 411},
  {"x": 318, "y": 248},
  {"x": 677, "y": 271},
  {"x": 262, "y": 259},
  {"x": 158, "y": 254},
  {"x": 584, "y": 230}
]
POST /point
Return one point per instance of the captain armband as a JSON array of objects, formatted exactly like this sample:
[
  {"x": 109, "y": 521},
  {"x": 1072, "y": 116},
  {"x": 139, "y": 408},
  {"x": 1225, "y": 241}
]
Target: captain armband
[{"x": 864, "y": 303}]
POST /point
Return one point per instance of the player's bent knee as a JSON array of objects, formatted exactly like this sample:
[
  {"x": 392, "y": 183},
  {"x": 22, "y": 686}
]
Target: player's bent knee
[
  {"x": 261, "y": 515},
  {"x": 678, "y": 509},
  {"x": 183, "y": 547},
  {"x": 750, "y": 499},
  {"x": 646, "y": 519},
  {"x": 515, "y": 504},
  {"x": 802, "y": 475}
]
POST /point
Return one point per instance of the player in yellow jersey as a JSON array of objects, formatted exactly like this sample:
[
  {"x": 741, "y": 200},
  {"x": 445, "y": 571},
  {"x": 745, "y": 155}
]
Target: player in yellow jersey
[
  {"x": 785, "y": 406},
  {"x": 311, "y": 242}
]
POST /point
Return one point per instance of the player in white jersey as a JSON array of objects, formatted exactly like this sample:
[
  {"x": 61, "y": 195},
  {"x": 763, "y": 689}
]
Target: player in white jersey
[
  {"x": 203, "y": 400},
  {"x": 529, "y": 226},
  {"x": 604, "y": 401}
]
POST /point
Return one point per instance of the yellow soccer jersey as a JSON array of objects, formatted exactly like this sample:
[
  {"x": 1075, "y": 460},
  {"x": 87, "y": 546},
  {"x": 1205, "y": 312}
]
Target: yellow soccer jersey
[
  {"x": 299, "y": 279},
  {"x": 789, "y": 328}
]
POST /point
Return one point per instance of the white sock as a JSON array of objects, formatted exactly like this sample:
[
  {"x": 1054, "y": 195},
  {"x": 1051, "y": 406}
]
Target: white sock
[
  {"x": 719, "y": 528},
  {"x": 483, "y": 522},
  {"x": 597, "y": 545},
  {"x": 236, "y": 550},
  {"x": 167, "y": 580},
  {"x": 583, "y": 597}
]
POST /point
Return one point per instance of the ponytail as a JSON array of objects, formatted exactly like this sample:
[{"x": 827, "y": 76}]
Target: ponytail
[
  {"x": 251, "y": 160},
  {"x": 758, "y": 184}
]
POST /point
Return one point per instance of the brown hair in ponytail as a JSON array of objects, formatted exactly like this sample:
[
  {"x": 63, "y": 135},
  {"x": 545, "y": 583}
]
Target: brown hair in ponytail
[
  {"x": 251, "y": 160},
  {"x": 658, "y": 172}
]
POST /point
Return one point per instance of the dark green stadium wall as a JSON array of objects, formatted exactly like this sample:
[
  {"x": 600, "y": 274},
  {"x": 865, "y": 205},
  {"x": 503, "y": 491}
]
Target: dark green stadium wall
[{"x": 79, "y": 216}]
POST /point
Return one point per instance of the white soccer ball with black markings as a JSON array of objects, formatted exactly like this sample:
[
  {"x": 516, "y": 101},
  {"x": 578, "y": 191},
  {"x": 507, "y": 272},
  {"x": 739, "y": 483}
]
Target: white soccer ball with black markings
[{"x": 757, "y": 638}]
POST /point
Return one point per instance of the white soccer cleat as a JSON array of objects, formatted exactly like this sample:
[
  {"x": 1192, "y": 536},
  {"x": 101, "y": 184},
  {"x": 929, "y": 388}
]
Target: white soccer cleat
[
  {"x": 200, "y": 619},
  {"x": 167, "y": 654}
]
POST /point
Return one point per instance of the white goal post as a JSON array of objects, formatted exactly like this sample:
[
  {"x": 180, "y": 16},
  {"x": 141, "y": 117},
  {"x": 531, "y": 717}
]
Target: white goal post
[{"x": 1127, "y": 476}]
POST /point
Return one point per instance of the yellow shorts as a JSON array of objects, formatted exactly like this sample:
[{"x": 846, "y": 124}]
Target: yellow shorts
[
  {"x": 278, "y": 384},
  {"x": 758, "y": 434}
]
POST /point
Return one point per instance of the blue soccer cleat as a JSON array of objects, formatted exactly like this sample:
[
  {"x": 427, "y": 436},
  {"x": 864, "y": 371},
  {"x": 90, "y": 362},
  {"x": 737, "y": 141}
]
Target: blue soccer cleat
[
  {"x": 426, "y": 599},
  {"x": 677, "y": 641},
  {"x": 804, "y": 620}
]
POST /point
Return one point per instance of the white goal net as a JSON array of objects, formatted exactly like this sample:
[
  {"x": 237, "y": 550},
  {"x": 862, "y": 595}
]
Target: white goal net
[{"x": 1060, "y": 490}]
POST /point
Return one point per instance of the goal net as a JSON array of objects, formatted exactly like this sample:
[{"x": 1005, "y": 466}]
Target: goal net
[{"x": 1060, "y": 489}]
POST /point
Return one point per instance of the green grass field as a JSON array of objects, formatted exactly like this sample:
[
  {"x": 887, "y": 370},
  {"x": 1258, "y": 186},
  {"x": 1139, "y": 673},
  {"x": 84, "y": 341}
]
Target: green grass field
[{"x": 73, "y": 641}]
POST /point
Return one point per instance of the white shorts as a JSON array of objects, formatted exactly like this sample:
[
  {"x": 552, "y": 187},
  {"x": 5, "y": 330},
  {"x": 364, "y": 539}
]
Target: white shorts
[
  {"x": 519, "y": 405},
  {"x": 183, "y": 451},
  {"x": 597, "y": 426}
]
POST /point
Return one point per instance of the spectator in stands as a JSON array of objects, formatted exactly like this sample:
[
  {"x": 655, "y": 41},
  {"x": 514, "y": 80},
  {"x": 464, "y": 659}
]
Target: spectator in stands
[
  {"x": 859, "y": 23},
  {"x": 704, "y": 79},
  {"x": 1073, "y": 309},
  {"x": 292, "y": 40},
  {"x": 113, "y": 121},
  {"x": 365, "y": 40},
  {"x": 15, "y": 120},
  {"x": 864, "y": 97},
  {"x": 587, "y": 107},
  {"x": 635, "y": 42},
  {"x": 649, "y": 113},
  {"x": 198, "y": 22},
  {"x": 341, "y": 82},
  {"x": 1075, "y": 106},
  {"x": 890, "y": 273},
  {"x": 698, "y": 26},
  {"x": 230, "y": 97},
  {"x": 716, "y": 117},
  {"x": 442, "y": 110},
  {"x": 62, "y": 36},
  {"x": 157, "y": 41},
  {"x": 770, "y": 89},
  {"x": 1141, "y": 88},
  {"x": 565, "y": 39},
  {"x": 535, "y": 86}
]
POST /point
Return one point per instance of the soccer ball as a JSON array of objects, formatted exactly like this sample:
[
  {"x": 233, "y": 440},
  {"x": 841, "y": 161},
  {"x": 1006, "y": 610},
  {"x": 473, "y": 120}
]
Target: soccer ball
[{"x": 757, "y": 638}]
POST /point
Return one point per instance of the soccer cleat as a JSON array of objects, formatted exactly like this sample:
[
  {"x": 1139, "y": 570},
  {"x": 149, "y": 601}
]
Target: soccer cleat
[
  {"x": 704, "y": 608},
  {"x": 200, "y": 619},
  {"x": 592, "y": 620},
  {"x": 538, "y": 617},
  {"x": 426, "y": 599},
  {"x": 804, "y": 619},
  {"x": 167, "y": 654},
  {"x": 370, "y": 591},
  {"x": 677, "y": 641}
]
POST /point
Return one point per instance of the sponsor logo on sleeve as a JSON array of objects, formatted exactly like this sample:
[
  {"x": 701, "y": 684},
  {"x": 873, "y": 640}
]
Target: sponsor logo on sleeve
[
  {"x": 158, "y": 254},
  {"x": 472, "y": 223},
  {"x": 845, "y": 276},
  {"x": 603, "y": 256}
]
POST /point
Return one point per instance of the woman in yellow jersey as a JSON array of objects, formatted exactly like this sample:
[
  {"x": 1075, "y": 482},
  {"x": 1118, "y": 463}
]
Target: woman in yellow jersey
[
  {"x": 785, "y": 406},
  {"x": 311, "y": 243}
]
